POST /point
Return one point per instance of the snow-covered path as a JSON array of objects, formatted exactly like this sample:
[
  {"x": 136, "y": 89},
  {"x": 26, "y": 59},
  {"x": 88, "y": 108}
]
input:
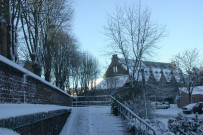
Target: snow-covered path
[{"x": 93, "y": 120}]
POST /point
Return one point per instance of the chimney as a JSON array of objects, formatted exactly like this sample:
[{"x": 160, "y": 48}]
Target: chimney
[
  {"x": 173, "y": 63},
  {"x": 114, "y": 57}
]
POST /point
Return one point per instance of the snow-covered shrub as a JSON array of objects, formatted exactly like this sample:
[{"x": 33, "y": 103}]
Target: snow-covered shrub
[
  {"x": 186, "y": 125},
  {"x": 131, "y": 125},
  {"x": 159, "y": 127},
  {"x": 134, "y": 126},
  {"x": 138, "y": 106}
]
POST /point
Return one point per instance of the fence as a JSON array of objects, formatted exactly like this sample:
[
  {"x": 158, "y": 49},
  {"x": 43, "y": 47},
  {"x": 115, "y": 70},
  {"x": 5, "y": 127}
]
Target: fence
[
  {"x": 91, "y": 100},
  {"x": 141, "y": 126}
]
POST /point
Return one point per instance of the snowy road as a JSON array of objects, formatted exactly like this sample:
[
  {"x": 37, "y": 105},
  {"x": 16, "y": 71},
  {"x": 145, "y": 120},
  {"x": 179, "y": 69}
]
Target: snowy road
[{"x": 93, "y": 120}]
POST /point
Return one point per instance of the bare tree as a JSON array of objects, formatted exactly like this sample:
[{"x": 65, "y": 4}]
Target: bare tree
[
  {"x": 41, "y": 20},
  {"x": 63, "y": 51},
  {"x": 9, "y": 20},
  {"x": 56, "y": 15},
  {"x": 188, "y": 61},
  {"x": 31, "y": 19},
  {"x": 89, "y": 70},
  {"x": 133, "y": 34},
  {"x": 75, "y": 71}
]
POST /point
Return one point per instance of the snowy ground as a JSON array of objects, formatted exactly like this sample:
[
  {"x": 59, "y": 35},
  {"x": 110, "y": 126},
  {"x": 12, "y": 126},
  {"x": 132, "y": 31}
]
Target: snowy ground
[
  {"x": 5, "y": 131},
  {"x": 12, "y": 110},
  {"x": 164, "y": 115},
  {"x": 93, "y": 120}
]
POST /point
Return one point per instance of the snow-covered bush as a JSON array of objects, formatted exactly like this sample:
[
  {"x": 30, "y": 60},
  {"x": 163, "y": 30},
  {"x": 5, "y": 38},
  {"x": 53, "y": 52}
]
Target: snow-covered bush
[
  {"x": 159, "y": 127},
  {"x": 131, "y": 125},
  {"x": 134, "y": 126},
  {"x": 188, "y": 125},
  {"x": 138, "y": 106}
]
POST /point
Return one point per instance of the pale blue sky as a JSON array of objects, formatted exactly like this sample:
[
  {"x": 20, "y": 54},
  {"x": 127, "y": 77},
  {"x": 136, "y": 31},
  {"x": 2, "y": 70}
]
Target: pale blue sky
[{"x": 183, "y": 20}]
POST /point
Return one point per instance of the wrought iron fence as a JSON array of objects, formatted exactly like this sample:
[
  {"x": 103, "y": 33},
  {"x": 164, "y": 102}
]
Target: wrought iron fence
[{"x": 140, "y": 125}]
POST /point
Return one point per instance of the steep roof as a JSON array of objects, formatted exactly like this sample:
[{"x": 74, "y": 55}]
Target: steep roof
[
  {"x": 169, "y": 70},
  {"x": 160, "y": 65}
]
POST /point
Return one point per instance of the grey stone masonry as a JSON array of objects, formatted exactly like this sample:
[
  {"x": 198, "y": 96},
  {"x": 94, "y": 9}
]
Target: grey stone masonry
[
  {"x": 44, "y": 123},
  {"x": 20, "y": 86}
]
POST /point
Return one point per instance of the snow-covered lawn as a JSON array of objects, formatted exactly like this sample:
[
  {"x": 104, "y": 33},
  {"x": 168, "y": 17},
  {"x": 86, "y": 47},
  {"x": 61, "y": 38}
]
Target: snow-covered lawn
[
  {"x": 12, "y": 110},
  {"x": 93, "y": 120}
]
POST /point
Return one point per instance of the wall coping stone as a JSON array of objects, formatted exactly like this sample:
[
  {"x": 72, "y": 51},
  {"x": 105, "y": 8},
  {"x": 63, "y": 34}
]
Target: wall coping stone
[{"x": 19, "y": 121}]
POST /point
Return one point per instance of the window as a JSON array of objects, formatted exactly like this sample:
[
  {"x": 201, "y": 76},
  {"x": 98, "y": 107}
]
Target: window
[{"x": 115, "y": 69}]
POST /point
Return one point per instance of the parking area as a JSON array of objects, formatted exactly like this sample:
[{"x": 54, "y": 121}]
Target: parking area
[{"x": 164, "y": 115}]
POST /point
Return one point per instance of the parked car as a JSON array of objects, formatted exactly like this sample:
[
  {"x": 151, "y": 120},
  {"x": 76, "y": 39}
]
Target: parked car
[
  {"x": 188, "y": 108},
  {"x": 166, "y": 103},
  {"x": 193, "y": 108},
  {"x": 162, "y": 105},
  {"x": 198, "y": 108}
]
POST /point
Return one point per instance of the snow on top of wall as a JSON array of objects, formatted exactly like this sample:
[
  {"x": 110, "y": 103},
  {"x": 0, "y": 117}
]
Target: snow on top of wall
[
  {"x": 6, "y": 131},
  {"x": 197, "y": 90},
  {"x": 112, "y": 82},
  {"x": 13, "y": 110},
  {"x": 28, "y": 73}
]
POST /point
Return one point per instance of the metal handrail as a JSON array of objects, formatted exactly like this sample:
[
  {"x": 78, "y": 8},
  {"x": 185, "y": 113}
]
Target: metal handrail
[
  {"x": 123, "y": 110},
  {"x": 89, "y": 100},
  {"x": 91, "y": 96}
]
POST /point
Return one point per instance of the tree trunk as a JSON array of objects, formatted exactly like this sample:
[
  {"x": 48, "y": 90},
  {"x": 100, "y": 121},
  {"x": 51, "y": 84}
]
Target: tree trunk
[
  {"x": 47, "y": 75},
  {"x": 190, "y": 97},
  {"x": 144, "y": 94}
]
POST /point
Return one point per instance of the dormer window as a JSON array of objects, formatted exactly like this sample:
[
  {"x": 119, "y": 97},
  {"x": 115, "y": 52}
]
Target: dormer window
[{"x": 115, "y": 69}]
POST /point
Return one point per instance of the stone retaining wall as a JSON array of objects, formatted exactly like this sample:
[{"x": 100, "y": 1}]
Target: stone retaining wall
[
  {"x": 18, "y": 85},
  {"x": 45, "y": 123}
]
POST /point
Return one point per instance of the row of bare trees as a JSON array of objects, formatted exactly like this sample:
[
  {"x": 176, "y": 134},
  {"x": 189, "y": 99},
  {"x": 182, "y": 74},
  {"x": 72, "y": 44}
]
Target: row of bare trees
[
  {"x": 47, "y": 41},
  {"x": 85, "y": 72},
  {"x": 38, "y": 21},
  {"x": 42, "y": 21}
]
